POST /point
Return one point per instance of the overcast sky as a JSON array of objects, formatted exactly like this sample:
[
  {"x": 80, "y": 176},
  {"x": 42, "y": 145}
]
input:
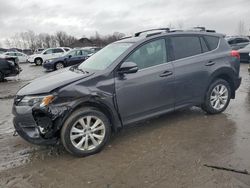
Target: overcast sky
[{"x": 84, "y": 17}]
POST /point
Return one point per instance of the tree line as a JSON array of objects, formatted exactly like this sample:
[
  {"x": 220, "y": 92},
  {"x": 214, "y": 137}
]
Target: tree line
[{"x": 31, "y": 40}]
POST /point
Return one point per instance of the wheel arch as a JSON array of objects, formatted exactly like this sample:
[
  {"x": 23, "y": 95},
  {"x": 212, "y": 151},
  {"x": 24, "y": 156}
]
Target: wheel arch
[
  {"x": 38, "y": 58},
  {"x": 105, "y": 109},
  {"x": 59, "y": 62},
  {"x": 225, "y": 74}
]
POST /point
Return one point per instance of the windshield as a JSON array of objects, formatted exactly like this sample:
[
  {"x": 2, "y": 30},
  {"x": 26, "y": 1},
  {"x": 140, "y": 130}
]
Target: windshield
[{"x": 105, "y": 57}]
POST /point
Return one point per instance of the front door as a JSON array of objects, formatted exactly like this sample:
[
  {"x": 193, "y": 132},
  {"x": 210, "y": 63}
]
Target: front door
[{"x": 149, "y": 91}]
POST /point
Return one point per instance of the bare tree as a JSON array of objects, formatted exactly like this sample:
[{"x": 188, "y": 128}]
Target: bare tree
[
  {"x": 241, "y": 30},
  {"x": 64, "y": 39}
]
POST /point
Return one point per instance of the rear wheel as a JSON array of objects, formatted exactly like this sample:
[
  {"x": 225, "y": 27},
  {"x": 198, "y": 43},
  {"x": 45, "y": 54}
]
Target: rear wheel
[
  {"x": 59, "y": 65},
  {"x": 217, "y": 97},
  {"x": 38, "y": 61},
  {"x": 85, "y": 132}
]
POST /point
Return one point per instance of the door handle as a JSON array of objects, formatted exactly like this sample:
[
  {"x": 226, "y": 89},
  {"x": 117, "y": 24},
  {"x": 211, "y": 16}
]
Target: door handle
[
  {"x": 210, "y": 63},
  {"x": 166, "y": 73}
]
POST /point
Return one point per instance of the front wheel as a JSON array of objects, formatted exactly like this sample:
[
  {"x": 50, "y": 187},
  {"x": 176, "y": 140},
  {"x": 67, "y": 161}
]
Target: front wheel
[
  {"x": 217, "y": 97},
  {"x": 38, "y": 61},
  {"x": 59, "y": 65},
  {"x": 85, "y": 132}
]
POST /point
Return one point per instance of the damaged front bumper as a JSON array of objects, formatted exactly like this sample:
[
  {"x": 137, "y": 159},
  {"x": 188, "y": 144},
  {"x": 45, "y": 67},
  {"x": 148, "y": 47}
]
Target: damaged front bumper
[{"x": 39, "y": 125}]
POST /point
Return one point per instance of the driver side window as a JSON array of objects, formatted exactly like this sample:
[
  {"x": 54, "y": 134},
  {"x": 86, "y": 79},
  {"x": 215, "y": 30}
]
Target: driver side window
[
  {"x": 150, "y": 54},
  {"x": 48, "y": 51}
]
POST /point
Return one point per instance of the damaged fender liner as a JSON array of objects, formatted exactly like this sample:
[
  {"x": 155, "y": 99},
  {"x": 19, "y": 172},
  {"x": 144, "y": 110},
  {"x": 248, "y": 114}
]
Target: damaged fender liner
[{"x": 50, "y": 119}]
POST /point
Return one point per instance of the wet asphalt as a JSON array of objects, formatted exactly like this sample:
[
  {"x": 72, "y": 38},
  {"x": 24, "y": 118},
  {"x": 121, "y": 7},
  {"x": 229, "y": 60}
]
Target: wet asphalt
[{"x": 168, "y": 151}]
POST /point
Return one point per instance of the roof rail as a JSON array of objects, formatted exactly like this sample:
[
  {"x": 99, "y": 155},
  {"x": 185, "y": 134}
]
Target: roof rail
[
  {"x": 159, "y": 29},
  {"x": 204, "y": 29},
  {"x": 125, "y": 37}
]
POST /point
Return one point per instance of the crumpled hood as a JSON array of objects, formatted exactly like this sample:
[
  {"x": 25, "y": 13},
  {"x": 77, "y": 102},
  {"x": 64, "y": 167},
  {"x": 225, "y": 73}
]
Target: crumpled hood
[{"x": 52, "y": 81}]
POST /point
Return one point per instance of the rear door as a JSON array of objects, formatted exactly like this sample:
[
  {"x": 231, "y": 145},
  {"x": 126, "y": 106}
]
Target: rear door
[
  {"x": 191, "y": 68},
  {"x": 149, "y": 91}
]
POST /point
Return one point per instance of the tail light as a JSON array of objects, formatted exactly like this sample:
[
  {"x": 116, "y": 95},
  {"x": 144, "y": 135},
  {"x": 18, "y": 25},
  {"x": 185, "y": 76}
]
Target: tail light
[{"x": 235, "y": 53}]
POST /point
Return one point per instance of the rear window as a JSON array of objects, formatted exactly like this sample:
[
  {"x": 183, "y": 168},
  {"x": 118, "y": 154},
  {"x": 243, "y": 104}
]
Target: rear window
[
  {"x": 186, "y": 46},
  {"x": 212, "y": 42}
]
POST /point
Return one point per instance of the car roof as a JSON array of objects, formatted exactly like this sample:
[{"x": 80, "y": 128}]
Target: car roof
[{"x": 151, "y": 36}]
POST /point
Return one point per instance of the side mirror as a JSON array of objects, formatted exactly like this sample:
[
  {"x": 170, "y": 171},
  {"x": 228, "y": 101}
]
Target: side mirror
[
  {"x": 128, "y": 68},
  {"x": 70, "y": 56}
]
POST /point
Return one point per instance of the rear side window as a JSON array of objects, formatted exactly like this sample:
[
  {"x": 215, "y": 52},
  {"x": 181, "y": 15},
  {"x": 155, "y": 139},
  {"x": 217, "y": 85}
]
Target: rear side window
[
  {"x": 58, "y": 50},
  {"x": 212, "y": 42},
  {"x": 204, "y": 45},
  {"x": 66, "y": 49},
  {"x": 186, "y": 46},
  {"x": 241, "y": 40}
]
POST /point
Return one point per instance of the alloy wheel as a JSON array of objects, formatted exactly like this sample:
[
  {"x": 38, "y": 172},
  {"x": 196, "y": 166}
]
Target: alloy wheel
[
  {"x": 219, "y": 97},
  {"x": 59, "y": 66},
  {"x": 87, "y": 133}
]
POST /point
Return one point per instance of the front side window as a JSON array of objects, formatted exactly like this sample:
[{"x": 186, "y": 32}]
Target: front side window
[
  {"x": 49, "y": 51},
  {"x": 150, "y": 54},
  {"x": 186, "y": 46},
  {"x": 72, "y": 53},
  {"x": 78, "y": 53},
  {"x": 105, "y": 57}
]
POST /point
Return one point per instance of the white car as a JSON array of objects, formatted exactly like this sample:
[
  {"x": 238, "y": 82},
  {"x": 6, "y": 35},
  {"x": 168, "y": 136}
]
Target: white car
[
  {"x": 47, "y": 54},
  {"x": 21, "y": 56}
]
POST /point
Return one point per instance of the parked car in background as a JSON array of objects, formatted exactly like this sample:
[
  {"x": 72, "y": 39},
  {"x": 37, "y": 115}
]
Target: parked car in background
[
  {"x": 38, "y": 51},
  {"x": 238, "y": 42},
  {"x": 47, "y": 54},
  {"x": 245, "y": 54},
  {"x": 92, "y": 49},
  {"x": 22, "y": 58},
  {"x": 9, "y": 67},
  {"x": 72, "y": 57},
  {"x": 127, "y": 81}
]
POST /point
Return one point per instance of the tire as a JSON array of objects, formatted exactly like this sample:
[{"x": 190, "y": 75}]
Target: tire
[
  {"x": 217, "y": 97},
  {"x": 74, "y": 135},
  {"x": 38, "y": 61},
  {"x": 1, "y": 77},
  {"x": 59, "y": 65}
]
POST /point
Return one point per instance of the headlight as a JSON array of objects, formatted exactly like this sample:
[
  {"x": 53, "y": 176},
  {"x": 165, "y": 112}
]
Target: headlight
[
  {"x": 249, "y": 54},
  {"x": 32, "y": 100}
]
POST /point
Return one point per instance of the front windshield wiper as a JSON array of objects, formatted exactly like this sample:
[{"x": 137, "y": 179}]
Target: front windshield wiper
[{"x": 77, "y": 70}]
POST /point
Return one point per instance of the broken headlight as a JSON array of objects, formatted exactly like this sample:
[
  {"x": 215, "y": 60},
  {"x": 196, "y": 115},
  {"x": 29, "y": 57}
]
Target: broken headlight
[{"x": 32, "y": 100}]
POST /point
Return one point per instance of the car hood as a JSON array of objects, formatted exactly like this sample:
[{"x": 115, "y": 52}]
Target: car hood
[{"x": 52, "y": 81}]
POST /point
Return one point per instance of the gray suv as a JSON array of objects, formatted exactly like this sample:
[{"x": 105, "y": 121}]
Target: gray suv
[{"x": 130, "y": 80}]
